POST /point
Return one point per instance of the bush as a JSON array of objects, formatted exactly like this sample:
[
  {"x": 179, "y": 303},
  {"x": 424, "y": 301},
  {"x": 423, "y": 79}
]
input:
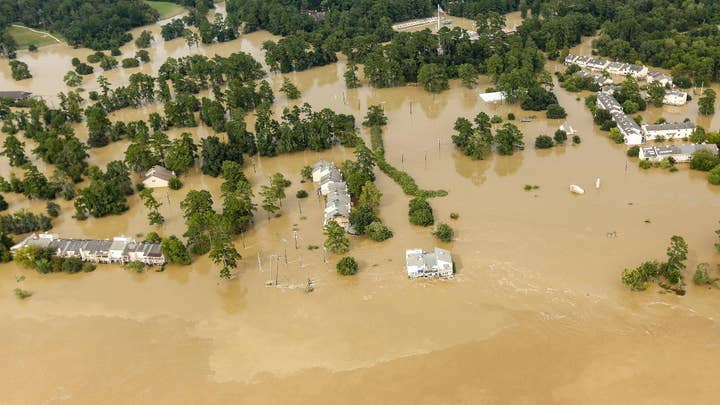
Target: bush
[
  {"x": 71, "y": 265},
  {"x": 84, "y": 69},
  {"x": 495, "y": 119},
  {"x": 130, "y": 63},
  {"x": 361, "y": 216},
  {"x": 347, "y": 266},
  {"x": 633, "y": 151},
  {"x": 701, "y": 276},
  {"x": 714, "y": 176},
  {"x": 420, "y": 212},
  {"x": 544, "y": 142},
  {"x": 511, "y": 116},
  {"x": 22, "y": 294},
  {"x": 152, "y": 237},
  {"x": 645, "y": 164},
  {"x": 555, "y": 111},
  {"x": 95, "y": 57},
  {"x": 140, "y": 186},
  {"x": 378, "y": 232},
  {"x": 136, "y": 266},
  {"x": 444, "y": 232},
  {"x": 704, "y": 160},
  {"x": 32, "y": 48},
  {"x": 175, "y": 183},
  {"x": 576, "y": 139},
  {"x": 616, "y": 136},
  {"x": 560, "y": 136},
  {"x": 53, "y": 210},
  {"x": 115, "y": 51},
  {"x": 454, "y": 215},
  {"x": 301, "y": 194}
]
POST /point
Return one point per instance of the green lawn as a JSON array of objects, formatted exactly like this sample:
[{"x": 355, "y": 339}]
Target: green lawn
[
  {"x": 25, "y": 37},
  {"x": 165, "y": 9}
]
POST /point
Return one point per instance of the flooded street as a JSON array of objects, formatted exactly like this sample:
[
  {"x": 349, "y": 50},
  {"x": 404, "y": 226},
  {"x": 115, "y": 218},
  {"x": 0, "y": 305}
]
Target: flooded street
[{"x": 536, "y": 313}]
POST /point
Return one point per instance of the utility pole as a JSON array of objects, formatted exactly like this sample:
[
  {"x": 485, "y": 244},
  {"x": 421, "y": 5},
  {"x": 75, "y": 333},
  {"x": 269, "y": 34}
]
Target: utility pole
[
  {"x": 277, "y": 270},
  {"x": 324, "y": 250},
  {"x": 299, "y": 206},
  {"x": 295, "y": 236},
  {"x": 259, "y": 262}
]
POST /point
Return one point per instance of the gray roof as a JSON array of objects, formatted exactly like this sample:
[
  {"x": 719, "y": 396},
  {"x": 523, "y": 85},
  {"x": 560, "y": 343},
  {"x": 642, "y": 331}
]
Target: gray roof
[
  {"x": 159, "y": 172},
  {"x": 15, "y": 95},
  {"x": 668, "y": 126}
]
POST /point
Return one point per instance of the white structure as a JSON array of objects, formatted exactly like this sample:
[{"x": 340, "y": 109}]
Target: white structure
[
  {"x": 675, "y": 97},
  {"x": 118, "y": 250},
  {"x": 669, "y": 130},
  {"x": 679, "y": 153},
  {"x": 568, "y": 129},
  {"x": 493, "y": 97},
  {"x": 337, "y": 198},
  {"x": 437, "y": 263},
  {"x": 157, "y": 176},
  {"x": 661, "y": 77},
  {"x": 416, "y": 23},
  {"x": 615, "y": 68},
  {"x": 599, "y": 79},
  {"x": 630, "y": 130}
]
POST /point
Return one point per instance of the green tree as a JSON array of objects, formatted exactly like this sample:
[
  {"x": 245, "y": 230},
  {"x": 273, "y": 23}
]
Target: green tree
[
  {"x": 361, "y": 216},
  {"x": 714, "y": 176},
  {"x": 370, "y": 196},
  {"x": 468, "y": 74},
  {"x": 433, "y": 77},
  {"x": 375, "y": 117},
  {"x": 378, "y": 232},
  {"x": 677, "y": 254},
  {"x": 335, "y": 241},
  {"x": 701, "y": 276},
  {"x": 656, "y": 93},
  {"x": 14, "y": 150},
  {"x": 181, "y": 154},
  {"x": 143, "y": 40},
  {"x": 706, "y": 103},
  {"x": 560, "y": 136},
  {"x": 704, "y": 160},
  {"x": 347, "y": 266},
  {"x": 290, "y": 90},
  {"x": 19, "y": 70},
  {"x": 222, "y": 250},
  {"x": 555, "y": 111},
  {"x": 152, "y": 204},
  {"x": 444, "y": 232},
  {"x": 351, "y": 79},
  {"x": 99, "y": 126},
  {"x": 175, "y": 251},
  {"x": 544, "y": 142},
  {"x": 270, "y": 200},
  {"x": 420, "y": 212},
  {"x": 72, "y": 79},
  {"x": 508, "y": 139}
]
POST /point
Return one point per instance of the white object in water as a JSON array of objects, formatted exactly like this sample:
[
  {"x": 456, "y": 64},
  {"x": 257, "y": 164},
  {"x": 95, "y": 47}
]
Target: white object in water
[
  {"x": 597, "y": 182},
  {"x": 576, "y": 189}
]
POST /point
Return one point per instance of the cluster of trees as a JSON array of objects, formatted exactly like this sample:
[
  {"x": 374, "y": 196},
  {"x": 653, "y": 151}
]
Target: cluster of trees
[
  {"x": 19, "y": 70},
  {"x": 107, "y": 192},
  {"x": 478, "y": 141},
  {"x": 43, "y": 261},
  {"x": 672, "y": 34},
  {"x": 274, "y": 193},
  {"x": 640, "y": 277},
  {"x": 96, "y": 24},
  {"x": 573, "y": 82},
  {"x": 22, "y": 222},
  {"x": 545, "y": 141}
]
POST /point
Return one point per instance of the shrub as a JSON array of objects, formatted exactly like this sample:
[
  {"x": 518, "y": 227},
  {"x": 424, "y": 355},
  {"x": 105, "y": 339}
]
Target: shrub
[
  {"x": 701, "y": 276},
  {"x": 555, "y": 111},
  {"x": 714, "y": 176},
  {"x": 560, "y": 136},
  {"x": 543, "y": 142},
  {"x": 454, "y": 215},
  {"x": 71, "y": 265},
  {"x": 420, "y": 212},
  {"x": 95, "y": 57},
  {"x": 616, "y": 136},
  {"x": 32, "y": 48},
  {"x": 361, "y": 216},
  {"x": 140, "y": 186},
  {"x": 301, "y": 194},
  {"x": 495, "y": 119},
  {"x": 378, "y": 232},
  {"x": 136, "y": 266},
  {"x": 633, "y": 151},
  {"x": 704, "y": 160},
  {"x": 175, "y": 183},
  {"x": 511, "y": 116},
  {"x": 645, "y": 164},
  {"x": 84, "y": 69},
  {"x": 130, "y": 63},
  {"x": 115, "y": 51},
  {"x": 576, "y": 139},
  {"x": 444, "y": 232},
  {"x": 306, "y": 172},
  {"x": 347, "y": 266},
  {"x": 88, "y": 267},
  {"x": 53, "y": 210},
  {"x": 152, "y": 237},
  {"x": 22, "y": 294}
]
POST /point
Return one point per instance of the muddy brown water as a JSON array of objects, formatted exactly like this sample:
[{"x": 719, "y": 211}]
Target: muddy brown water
[{"x": 536, "y": 313}]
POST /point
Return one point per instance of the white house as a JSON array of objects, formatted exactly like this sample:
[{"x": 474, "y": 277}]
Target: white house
[
  {"x": 337, "y": 199},
  {"x": 157, "y": 176},
  {"x": 494, "y": 97},
  {"x": 679, "y": 153},
  {"x": 661, "y": 77},
  {"x": 668, "y": 130},
  {"x": 437, "y": 263},
  {"x": 320, "y": 169},
  {"x": 675, "y": 97}
]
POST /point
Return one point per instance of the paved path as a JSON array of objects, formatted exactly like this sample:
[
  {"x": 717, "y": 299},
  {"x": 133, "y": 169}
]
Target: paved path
[{"x": 38, "y": 32}]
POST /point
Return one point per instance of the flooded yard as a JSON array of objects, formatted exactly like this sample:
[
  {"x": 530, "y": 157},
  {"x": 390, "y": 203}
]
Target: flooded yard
[{"x": 535, "y": 314}]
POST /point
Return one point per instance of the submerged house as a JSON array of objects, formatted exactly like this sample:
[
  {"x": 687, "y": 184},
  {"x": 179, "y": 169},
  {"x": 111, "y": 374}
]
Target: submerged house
[
  {"x": 679, "y": 153},
  {"x": 437, "y": 263},
  {"x": 675, "y": 97},
  {"x": 15, "y": 96},
  {"x": 337, "y": 198},
  {"x": 157, "y": 176},
  {"x": 668, "y": 130},
  {"x": 120, "y": 249},
  {"x": 630, "y": 130},
  {"x": 661, "y": 77}
]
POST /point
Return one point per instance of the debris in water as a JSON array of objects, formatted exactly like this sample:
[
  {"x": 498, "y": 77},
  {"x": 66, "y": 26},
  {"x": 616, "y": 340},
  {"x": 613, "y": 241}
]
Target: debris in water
[{"x": 574, "y": 188}]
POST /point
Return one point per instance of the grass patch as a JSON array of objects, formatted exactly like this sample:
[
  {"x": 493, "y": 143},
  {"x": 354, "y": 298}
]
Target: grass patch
[
  {"x": 24, "y": 37},
  {"x": 165, "y": 9}
]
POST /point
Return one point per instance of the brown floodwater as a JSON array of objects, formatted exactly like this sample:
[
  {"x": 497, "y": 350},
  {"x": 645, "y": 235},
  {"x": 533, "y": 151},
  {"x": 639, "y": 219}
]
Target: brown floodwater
[{"x": 536, "y": 313}]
